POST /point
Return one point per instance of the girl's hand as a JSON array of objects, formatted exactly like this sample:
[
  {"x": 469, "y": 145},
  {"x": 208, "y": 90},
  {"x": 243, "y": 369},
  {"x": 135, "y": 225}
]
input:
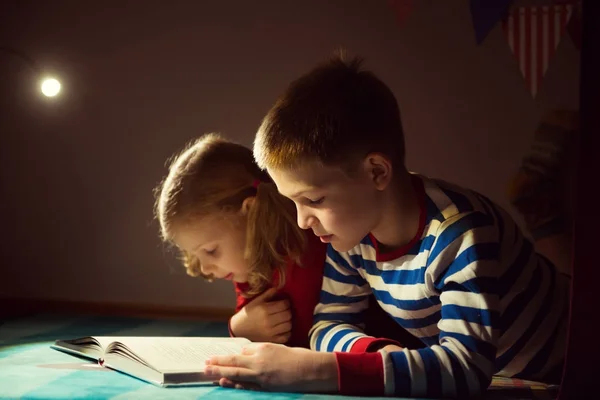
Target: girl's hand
[
  {"x": 263, "y": 320},
  {"x": 275, "y": 367}
]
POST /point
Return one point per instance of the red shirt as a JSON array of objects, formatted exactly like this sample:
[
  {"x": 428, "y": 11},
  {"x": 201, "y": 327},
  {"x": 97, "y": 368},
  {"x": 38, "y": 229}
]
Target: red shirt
[{"x": 302, "y": 288}]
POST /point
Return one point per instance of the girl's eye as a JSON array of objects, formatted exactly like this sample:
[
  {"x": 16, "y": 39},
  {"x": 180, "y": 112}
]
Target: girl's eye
[
  {"x": 316, "y": 202},
  {"x": 211, "y": 252}
]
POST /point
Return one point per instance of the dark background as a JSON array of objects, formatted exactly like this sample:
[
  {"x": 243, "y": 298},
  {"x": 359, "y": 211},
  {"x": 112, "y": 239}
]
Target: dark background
[{"x": 141, "y": 78}]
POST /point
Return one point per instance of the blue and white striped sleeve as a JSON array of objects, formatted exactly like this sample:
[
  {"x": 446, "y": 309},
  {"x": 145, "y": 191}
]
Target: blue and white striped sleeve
[
  {"x": 464, "y": 267},
  {"x": 338, "y": 319}
]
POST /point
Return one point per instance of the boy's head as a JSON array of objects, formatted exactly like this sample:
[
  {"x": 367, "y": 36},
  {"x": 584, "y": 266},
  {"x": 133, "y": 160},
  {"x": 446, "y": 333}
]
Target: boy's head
[
  {"x": 335, "y": 114},
  {"x": 333, "y": 143},
  {"x": 224, "y": 223}
]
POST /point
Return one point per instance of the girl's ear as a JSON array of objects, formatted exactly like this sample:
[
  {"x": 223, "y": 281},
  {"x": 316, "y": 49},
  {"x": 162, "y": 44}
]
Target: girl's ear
[{"x": 247, "y": 205}]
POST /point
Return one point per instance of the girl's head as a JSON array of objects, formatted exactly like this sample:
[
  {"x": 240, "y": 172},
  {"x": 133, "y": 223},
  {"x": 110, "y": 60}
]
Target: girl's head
[{"x": 225, "y": 215}]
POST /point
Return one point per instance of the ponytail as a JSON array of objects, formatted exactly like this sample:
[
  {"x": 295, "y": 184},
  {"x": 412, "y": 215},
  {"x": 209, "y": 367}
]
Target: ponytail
[{"x": 273, "y": 237}]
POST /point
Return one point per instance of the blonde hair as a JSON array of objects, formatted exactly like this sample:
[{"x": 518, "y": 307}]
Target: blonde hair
[
  {"x": 334, "y": 114},
  {"x": 213, "y": 175}
]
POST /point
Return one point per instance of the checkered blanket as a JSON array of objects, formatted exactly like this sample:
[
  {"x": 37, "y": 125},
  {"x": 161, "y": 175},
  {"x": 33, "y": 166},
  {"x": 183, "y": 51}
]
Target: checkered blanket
[{"x": 30, "y": 369}]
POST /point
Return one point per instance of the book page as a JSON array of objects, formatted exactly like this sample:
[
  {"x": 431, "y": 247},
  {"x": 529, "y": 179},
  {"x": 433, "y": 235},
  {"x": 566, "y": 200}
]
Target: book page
[{"x": 169, "y": 354}]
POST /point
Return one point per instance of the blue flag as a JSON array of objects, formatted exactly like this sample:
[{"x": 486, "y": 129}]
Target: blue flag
[{"x": 486, "y": 14}]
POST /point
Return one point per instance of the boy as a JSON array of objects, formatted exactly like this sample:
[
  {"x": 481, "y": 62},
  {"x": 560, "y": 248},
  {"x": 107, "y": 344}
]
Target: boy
[{"x": 446, "y": 263}]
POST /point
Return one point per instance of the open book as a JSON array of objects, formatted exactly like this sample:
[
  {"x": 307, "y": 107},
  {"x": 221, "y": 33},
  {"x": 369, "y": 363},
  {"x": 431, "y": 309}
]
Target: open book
[{"x": 162, "y": 361}]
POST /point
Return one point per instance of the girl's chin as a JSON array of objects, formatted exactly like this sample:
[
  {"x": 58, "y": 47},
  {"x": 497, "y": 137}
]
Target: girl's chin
[{"x": 240, "y": 279}]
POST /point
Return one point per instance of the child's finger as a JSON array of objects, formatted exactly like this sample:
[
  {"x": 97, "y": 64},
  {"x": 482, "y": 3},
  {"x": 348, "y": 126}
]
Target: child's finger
[
  {"x": 280, "y": 318},
  {"x": 246, "y": 386},
  {"x": 249, "y": 350},
  {"x": 275, "y": 307},
  {"x": 265, "y": 296},
  {"x": 282, "y": 338},
  {"x": 231, "y": 373},
  {"x": 282, "y": 328},
  {"x": 226, "y": 383}
]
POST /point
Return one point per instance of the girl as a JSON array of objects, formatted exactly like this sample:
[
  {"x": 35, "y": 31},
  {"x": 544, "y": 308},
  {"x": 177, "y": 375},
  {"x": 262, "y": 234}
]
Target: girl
[{"x": 229, "y": 221}]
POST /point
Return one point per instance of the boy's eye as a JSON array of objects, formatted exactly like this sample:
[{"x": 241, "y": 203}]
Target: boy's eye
[{"x": 316, "y": 202}]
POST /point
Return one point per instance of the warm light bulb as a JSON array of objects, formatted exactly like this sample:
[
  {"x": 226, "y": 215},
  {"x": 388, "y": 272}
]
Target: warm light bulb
[{"x": 50, "y": 87}]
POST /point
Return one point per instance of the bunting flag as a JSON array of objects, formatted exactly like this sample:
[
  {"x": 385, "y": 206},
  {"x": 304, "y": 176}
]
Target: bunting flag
[
  {"x": 402, "y": 8},
  {"x": 574, "y": 27},
  {"x": 533, "y": 35},
  {"x": 485, "y": 14}
]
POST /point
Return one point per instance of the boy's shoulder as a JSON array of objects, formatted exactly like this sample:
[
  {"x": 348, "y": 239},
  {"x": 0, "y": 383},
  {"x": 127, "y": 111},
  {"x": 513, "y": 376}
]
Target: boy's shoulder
[{"x": 444, "y": 201}]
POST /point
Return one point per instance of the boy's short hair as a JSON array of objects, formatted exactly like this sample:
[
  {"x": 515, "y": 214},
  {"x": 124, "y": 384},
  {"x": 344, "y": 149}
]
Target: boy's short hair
[{"x": 335, "y": 114}]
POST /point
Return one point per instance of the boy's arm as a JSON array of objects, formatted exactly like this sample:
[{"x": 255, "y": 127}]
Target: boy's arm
[
  {"x": 464, "y": 267},
  {"x": 339, "y": 316}
]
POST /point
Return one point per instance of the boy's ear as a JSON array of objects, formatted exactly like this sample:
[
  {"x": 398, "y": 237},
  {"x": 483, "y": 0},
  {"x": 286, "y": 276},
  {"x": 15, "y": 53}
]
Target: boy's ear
[
  {"x": 378, "y": 169},
  {"x": 247, "y": 204}
]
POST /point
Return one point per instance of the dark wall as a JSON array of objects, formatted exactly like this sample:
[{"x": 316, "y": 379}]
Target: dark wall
[{"x": 142, "y": 77}]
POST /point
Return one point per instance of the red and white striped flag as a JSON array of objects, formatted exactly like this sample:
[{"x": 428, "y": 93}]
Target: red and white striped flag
[{"x": 533, "y": 35}]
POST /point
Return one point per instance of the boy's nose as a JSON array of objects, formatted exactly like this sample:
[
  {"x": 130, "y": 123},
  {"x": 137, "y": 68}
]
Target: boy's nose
[{"x": 305, "y": 220}]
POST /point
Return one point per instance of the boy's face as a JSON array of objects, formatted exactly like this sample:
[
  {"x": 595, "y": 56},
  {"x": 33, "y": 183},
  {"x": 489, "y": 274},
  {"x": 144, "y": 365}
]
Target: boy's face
[{"x": 340, "y": 209}]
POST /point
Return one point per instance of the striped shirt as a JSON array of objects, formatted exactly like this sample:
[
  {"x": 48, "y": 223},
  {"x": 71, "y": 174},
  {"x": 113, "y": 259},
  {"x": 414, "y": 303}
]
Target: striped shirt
[{"x": 469, "y": 285}]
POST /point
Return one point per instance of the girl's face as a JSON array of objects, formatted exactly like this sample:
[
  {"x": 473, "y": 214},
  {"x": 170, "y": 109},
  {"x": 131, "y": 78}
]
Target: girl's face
[{"x": 218, "y": 242}]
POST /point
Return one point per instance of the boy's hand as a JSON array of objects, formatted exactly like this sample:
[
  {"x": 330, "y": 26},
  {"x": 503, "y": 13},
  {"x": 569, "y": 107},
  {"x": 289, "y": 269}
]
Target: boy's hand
[
  {"x": 388, "y": 347},
  {"x": 263, "y": 320},
  {"x": 275, "y": 367},
  {"x": 391, "y": 348}
]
